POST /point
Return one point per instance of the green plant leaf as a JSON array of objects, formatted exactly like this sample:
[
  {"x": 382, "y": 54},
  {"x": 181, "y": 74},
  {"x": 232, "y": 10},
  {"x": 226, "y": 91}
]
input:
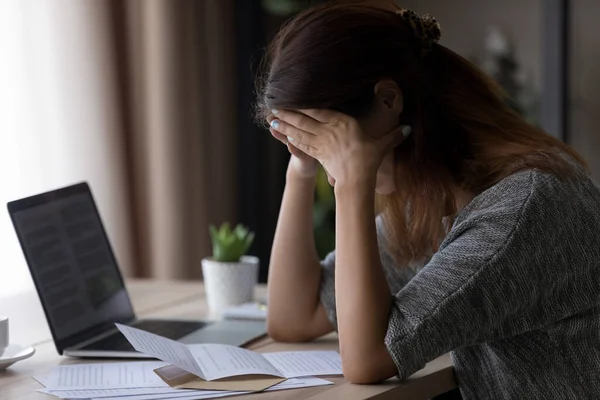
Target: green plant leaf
[
  {"x": 248, "y": 242},
  {"x": 230, "y": 245},
  {"x": 240, "y": 231},
  {"x": 225, "y": 230}
]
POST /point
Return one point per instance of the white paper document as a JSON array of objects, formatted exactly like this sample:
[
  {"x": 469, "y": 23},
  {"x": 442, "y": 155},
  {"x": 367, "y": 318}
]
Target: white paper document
[
  {"x": 150, "y": 393},
  {"x": 216, "y": 361},
  {"x": 104, "y": 376},
  {"x": 196, "y": 394},
  {"x": 117, "y": 392},
  {"x": 294, "y": 364},
  {"x": 167, "y": 350},
  {"x": 295, "y": 383}
]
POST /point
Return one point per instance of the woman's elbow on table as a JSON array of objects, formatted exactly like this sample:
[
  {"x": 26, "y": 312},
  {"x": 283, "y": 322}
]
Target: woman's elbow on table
[
  {"x": 280, "y": 331},
  {"x": 278, "y": 334},
  {"x": 363, "y": 375},
  {"x": 368, "y": 369},
  {"x": 297, "y": 327}
]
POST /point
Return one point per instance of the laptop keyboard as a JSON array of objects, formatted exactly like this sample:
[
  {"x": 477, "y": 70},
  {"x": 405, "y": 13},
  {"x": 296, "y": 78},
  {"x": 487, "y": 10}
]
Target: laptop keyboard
[{"x": 169, "y": 329}]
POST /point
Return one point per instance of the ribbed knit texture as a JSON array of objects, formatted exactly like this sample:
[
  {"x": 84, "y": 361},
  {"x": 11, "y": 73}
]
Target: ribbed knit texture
[{"x": 512, "y": 293}]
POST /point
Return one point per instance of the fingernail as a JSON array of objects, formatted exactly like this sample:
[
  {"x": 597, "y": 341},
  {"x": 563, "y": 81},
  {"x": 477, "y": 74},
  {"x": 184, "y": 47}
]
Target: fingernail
[
  {"x": 274, "y": 111},
  {"x": 275, "y": 124},
  {"x": 406, "y": 130},
  {"x": 290, "y": 139}
]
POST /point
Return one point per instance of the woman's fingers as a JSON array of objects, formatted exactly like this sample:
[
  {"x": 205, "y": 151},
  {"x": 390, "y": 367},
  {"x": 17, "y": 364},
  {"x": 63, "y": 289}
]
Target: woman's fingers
[
  {"x": 294, "y": 149},
  {"x": 293, "y": 133},
  {"x": 291, "y": 137},
  {"x": 322, "y": 115},
  {"x": 299, "y": 120},
  {"x": 270, "y": 118},
  {"x": 395, "y": 137},
  {"x": 279, "y": 136},
  {"x": 308, "y": 120},
  {"x": 309, "y": 150}
]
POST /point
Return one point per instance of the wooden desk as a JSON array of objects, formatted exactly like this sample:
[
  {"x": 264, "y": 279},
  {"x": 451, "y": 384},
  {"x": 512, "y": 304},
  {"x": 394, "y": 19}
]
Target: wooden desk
[{"x": 161, "y": 299}]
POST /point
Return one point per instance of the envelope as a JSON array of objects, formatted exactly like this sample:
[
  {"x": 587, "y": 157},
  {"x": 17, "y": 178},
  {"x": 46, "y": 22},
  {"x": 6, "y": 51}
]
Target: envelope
[{"x": 178, "y": 378}]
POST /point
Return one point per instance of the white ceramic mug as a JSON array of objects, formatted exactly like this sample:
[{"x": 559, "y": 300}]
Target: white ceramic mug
[{"x": 4, "y": 339}]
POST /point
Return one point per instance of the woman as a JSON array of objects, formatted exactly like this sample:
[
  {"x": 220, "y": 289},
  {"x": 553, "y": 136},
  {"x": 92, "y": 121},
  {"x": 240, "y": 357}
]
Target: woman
[{"x": 488, "y": 243}]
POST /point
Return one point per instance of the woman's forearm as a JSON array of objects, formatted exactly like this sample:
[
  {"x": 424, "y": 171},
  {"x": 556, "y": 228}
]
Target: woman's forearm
[
  {"x": 294, "y": 271},
  {"x": 362, "y": 294}
]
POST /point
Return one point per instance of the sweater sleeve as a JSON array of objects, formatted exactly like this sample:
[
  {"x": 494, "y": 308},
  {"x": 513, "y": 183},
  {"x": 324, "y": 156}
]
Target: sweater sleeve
[
  {"x": 327, "y": 289},
  {"x": 489, "y": 280}
]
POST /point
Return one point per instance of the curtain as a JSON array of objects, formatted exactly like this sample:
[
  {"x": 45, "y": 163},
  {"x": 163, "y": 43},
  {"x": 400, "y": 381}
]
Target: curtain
[
  {"x": 135, "y": 97},
  {"x": 59, "y": 123},
  {"x": 175, "y": 63}
]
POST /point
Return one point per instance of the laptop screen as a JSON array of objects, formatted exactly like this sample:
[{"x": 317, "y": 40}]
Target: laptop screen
[{"x": 71, "y": 262}]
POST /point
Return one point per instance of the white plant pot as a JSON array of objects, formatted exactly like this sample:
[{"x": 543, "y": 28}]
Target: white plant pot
[{"x": 229, "y": 283}]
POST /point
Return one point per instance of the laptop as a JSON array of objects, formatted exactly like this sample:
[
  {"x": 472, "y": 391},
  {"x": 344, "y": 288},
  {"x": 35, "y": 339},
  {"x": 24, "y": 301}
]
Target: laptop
[{"x": 80, "y": 287}]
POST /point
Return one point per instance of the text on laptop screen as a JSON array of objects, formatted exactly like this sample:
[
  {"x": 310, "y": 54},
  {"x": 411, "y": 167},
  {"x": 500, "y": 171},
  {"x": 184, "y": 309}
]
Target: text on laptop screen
[{"x": 72, "y": 264}]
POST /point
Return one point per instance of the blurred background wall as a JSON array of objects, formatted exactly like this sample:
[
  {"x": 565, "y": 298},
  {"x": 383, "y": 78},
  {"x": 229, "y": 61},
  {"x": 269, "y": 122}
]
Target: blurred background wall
[
  {"x": 584, "y": 88},
  {"x": 467, "y": 23},
  {"x": 151, "y": 100}
]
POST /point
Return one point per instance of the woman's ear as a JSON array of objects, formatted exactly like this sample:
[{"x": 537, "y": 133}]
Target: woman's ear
[{"x": 389, "y": 95}]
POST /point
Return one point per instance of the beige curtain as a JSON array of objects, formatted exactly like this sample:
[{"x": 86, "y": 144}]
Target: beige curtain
[
  {"x": 60, "y": 123},
  {"x": 175, "y": 61}
]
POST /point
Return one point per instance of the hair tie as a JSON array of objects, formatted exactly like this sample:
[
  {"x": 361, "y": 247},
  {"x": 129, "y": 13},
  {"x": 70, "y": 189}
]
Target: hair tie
[{"x": 426, "y": 30}]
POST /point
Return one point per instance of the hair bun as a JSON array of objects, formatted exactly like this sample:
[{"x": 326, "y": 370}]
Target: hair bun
[{"x": 425, "y": 29}]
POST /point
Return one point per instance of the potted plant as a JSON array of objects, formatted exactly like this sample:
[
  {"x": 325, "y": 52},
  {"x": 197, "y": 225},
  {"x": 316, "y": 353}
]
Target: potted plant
[{"x": 229, "y": 275}]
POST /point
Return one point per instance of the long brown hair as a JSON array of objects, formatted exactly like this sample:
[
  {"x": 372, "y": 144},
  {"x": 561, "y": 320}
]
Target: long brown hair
[{"x": 464, "y": 135}]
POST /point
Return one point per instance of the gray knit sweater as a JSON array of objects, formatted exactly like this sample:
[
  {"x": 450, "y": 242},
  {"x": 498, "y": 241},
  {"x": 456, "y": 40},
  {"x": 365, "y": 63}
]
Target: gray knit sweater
[{"x": 513, "y": 293}]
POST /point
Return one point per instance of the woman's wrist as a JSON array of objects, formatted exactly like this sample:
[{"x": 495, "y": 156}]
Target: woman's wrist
[
  {"x": 355, "y": 186},
  {"x": 296, "y": 178},
  {"x": 294, "y": 173}
]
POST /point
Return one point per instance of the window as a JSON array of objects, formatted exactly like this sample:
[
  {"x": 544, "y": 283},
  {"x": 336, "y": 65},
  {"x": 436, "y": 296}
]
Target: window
[{"x": 59, "y": 121}]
